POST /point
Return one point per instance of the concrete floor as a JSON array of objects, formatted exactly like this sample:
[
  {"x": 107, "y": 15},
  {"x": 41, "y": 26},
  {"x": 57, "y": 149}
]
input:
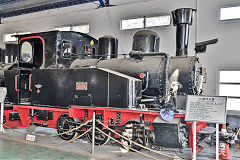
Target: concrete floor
[{"x": 14, "y": 146}]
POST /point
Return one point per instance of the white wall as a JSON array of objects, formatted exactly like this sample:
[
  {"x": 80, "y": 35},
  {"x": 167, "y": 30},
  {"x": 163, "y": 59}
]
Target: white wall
[
  {"x": 226, "y": 53},
  {"x": 206, "y": 26},
  {"x": 100, "y": 21}
]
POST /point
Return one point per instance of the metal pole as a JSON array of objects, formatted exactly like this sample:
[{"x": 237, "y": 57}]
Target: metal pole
[
  {"x": 1, "y": 126},
  {"x": 217, "y": 141},
  {"x": 194, "y": 140},
  {"x": 93, "y": 133}
]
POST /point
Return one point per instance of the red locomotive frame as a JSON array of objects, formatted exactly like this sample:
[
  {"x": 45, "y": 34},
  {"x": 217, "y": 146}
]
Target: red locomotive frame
[{"x": 109, "y": 114}]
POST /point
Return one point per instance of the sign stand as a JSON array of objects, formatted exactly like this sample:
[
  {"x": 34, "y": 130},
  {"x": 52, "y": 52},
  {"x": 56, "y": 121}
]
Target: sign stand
[
  {"x": 93, "y": 132},
  {"x": 208, "y": 109},
  {"x": 217, "y": 141},
  {"x": 1, "y": 126},
  {"x": 194, "y": 140},
  {"x": 3, "y": 93}
]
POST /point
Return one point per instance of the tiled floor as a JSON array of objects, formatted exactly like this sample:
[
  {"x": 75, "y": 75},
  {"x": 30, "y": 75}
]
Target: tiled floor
[
  {"x": 10, "y": 150},
  {"x": 17, "y": 148}
]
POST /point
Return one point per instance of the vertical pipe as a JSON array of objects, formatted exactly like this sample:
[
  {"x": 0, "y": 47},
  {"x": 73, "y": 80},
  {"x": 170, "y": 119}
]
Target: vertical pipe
[
  {"x": 6, "y": 59},
  {"x": 108, "y": 90},
  {"x": 93, "y": 133},
  {"x": 32, "y": 116},
  {"x": 11, "y": 58},
  {"x": 194, "y": 140},
  {"x": 2, "y": 129},
  {"x": 182, "y": 37},
  {"x": 217, "y": 141}
]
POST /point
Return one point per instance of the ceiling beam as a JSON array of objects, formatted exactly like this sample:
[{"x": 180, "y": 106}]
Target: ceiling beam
[
  {"x": 61, "y": 4},
  {"x": 4, "y": 2}
]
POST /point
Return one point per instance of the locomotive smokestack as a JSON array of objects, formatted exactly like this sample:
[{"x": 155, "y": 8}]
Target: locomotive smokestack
[{"x": 182, "y": 18}]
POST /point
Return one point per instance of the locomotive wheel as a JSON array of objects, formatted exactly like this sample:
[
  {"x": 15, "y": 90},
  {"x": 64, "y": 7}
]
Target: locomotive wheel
[
  {"x": 100, "y": 138},
  {"x": 129, "y": 134},
  {"x": 63, "y": 126}
]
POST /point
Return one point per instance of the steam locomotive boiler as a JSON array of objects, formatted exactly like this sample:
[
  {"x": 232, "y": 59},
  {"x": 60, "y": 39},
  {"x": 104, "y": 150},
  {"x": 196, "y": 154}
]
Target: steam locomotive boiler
[{"x": 61, "y": 78}]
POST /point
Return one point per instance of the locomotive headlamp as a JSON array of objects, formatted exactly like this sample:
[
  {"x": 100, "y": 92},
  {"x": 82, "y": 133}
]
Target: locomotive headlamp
[
  {"x": 141, "y": 75},
  {"x": 26, "y": 52}
]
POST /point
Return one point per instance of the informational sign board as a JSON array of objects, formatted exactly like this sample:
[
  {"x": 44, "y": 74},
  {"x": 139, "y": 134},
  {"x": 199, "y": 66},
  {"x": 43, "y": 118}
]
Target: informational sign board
[
  {"x": 210, "y": 109},
  {"x": 3, "y": 93}
]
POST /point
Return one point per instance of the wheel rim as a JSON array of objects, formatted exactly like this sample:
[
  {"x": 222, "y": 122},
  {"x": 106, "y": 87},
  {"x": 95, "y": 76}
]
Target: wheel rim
[
  {"x": 100, "y": 138},
  {"x": 128, "y": 144},
  {"x": 63, "y": 126}
]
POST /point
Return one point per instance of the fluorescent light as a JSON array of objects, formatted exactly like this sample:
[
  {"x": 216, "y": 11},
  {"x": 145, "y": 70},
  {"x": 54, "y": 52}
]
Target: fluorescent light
[
  {"x": 132, "y": 23},
  {"x": 229, "y": 13},
  {"x": 158, "y": 21}
]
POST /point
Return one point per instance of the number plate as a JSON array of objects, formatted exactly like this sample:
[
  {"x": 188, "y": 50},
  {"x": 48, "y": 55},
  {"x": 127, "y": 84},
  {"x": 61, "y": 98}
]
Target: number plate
[
  {"x": 30, "y": 137},
  {"x": 81, "y": 86}
]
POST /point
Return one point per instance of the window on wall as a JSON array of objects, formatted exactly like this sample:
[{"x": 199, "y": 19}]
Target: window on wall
[
  {"x": 229, "y": 13},
  {"x": 158, "y": 21},
  {"x": 85, "y": 28},
  {"x": 132, "y": 23},
  {"x": 229, "y": 85},
  {"x": 68, "y": 28},
  {"x": 145, "y": 22},
  {"x": 81, "y": 28},
  {"x": 10, "y": 37}
]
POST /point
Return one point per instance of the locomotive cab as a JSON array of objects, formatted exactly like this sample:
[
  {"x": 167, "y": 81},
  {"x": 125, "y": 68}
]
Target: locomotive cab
[{"x": 52, "y": 49}]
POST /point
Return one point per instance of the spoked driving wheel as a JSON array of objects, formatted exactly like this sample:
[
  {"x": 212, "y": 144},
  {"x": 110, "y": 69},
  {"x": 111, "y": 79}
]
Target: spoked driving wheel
[
  {"x": 64, "y": 125},
  {"x": 134, "y": 133},
  {"x": 100, "y": 138}
]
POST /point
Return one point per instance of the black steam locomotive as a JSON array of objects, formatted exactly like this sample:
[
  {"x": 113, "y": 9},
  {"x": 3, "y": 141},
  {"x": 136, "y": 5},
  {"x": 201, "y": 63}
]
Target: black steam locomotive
[{"x": 58, "y": 79}]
